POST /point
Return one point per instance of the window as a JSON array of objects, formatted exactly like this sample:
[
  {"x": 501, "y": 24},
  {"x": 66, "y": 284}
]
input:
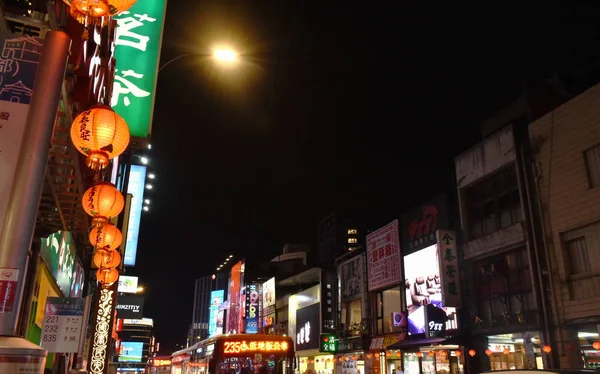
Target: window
[
  {"x": 592, "y": 163},
  {"x": 352, "y": 232},
  {"x": 578, "y": 256},
  {"x": 494, "y": 203},
  {"x": 388, "y": 303},
  {"x": 352, "y": 240},
  {"x": 503, "y": 287}
]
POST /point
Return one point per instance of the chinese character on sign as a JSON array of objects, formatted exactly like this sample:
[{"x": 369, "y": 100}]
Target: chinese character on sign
[
  {"x": 450, "y": 271},
  {"x": 4, "y": 116},
  {"x": 449, "y": 256},
  {"x": 124, "y": 86},
  {"x": 452, "y": 288},
  {"x": 447, "y": 239},
  {"x": 126, "y": 34}
]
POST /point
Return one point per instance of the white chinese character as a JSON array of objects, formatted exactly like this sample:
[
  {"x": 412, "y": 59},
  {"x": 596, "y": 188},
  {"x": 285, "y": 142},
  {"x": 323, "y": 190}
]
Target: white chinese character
[
  {"x": 307, "y": 332},
  {"x": 122, "y": 85},
  {"x": 126, "y": 34}
]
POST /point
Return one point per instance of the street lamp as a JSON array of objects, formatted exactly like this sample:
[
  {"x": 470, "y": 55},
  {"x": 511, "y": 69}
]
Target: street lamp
[{"x": 221, "y": 55}]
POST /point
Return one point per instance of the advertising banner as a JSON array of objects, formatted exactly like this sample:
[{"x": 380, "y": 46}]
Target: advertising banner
[
  {"x": 136, "y": 186},
  {"x": 351, "y": 277},
  {"x": 131, "y": 351},
  {"x": 61, "y": 330},
  {"x": 78, "y": 279},
  {"x": 128, "y": 284},
  {"x": 384, "y": 257},
  {"x": 59, "y": 254},
  {"x": 216, "y": 299},
  {"x": 450, "y": 272},
  {"x": 252, "y": 303},
  {"x": 307, "y": 327},
  {"x": 137, "y": 52},
  {"x": 298, "y": 301},
  {"x": 268, "y": 297},
  {"x": 421, "y": 222},
  {"x": 423, "y": 287},
  {"x": 328, "y": 297},
  {"x": 130, "y": 306},
  {"x": 234, "y": 313},
  {"x": 18, "y": 66}
]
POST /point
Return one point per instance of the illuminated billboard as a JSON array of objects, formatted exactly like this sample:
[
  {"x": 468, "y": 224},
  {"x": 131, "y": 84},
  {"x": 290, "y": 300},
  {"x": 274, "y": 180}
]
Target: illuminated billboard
[
  {"x": 216, "y": 299},
  {"x": 131, "y": 351},
  {"x": 423, "y": 287},
  {"x": 234, "y": 313},
  {"x": 128, "y": 284},
  {"x": 135, "y": 187}
]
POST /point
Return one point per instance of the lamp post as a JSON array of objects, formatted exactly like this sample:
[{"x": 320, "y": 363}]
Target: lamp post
[{"x": 220, "y": 55}]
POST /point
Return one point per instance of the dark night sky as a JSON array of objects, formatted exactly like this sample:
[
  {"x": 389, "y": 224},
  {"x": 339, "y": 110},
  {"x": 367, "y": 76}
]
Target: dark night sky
[{"x": 337, "y": 105}]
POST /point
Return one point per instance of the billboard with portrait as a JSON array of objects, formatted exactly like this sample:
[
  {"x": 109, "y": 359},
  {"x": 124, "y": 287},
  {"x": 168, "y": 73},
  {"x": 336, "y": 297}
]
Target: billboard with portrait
[
  {"x": 351, "y": 278},
  {"x": 216, "y": 299},
  {"x": 268, "y": 296},
  {"x": 423, "y": 287}
]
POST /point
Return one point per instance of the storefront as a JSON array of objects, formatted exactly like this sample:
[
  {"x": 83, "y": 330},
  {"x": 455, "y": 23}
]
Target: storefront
[
  {"x": 313, "y": 360},
  {"x": 351, "y": 357},
  {"x": 382, "y": 359},
  {"x": 515, "y": 351}
]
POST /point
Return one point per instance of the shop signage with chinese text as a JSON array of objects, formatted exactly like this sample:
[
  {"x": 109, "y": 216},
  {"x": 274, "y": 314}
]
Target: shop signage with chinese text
[
  {"x": 449, "y": 268},
  {"x": 328, "y": 343},
  {"x": 421, "y": 222},
  {"x": 137, "y": 53},
  {"x": 383, "y": 257}
]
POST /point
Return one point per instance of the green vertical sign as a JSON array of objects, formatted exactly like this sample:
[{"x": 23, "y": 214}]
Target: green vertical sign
[
  {"x": 137, "y": 51},
  {"x": 328, "y": 343}
]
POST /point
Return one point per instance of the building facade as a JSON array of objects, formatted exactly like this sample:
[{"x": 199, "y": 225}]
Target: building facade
[{"x": 566, "y": 151}]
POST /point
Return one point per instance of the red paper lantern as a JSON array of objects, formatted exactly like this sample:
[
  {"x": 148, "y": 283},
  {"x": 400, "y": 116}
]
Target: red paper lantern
[
  {"x": 596, "y": 345},
  {"x": 103, "y": 201},
  {"x": 107, "y": 276},
  {"x": 106, "y": 235},
  {"x": 488, "y": 352},
  {"x": 457, "y": 353},
  {"x": 547, "y": 349},
  {"x": 472, "y": 352}
]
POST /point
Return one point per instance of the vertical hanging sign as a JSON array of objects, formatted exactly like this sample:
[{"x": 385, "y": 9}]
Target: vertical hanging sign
[
  {"x": 19, "y": 60},
  {"x": 449, "y": 268},
  {"x": 137, "y": 53}
]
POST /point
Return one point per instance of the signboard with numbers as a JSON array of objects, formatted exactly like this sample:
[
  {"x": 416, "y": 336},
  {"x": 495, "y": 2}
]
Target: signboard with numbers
[
  {"x": 137, "y": 52},
  {"x": 61, "y": 330},
  {"x": 383, "y": 257},
  {"x": 449, "y": 268}
]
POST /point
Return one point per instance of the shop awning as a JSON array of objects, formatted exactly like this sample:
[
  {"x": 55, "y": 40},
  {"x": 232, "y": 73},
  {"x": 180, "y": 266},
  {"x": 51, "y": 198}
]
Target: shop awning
[{"x": 413, "y": 343}]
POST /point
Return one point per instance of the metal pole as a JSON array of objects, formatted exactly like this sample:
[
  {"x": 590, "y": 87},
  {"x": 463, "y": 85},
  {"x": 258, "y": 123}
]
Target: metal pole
[{"x": 23, "y": 206}]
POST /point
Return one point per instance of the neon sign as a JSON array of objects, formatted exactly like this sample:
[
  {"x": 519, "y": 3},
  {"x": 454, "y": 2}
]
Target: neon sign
[
  {"x": 161, "y": 362},
  {"x": 243, "y": 347}
]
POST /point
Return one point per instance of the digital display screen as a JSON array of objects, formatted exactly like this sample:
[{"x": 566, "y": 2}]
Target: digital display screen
[
  {"x": 131, "y": 352},
  {"x": 233, "y": 347},
  {"x": 423, "y": 287}
]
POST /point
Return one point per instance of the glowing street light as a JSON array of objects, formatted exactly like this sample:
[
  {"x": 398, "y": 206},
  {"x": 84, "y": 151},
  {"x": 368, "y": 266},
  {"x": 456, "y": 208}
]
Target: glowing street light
[{"x": 225, "y": 55}]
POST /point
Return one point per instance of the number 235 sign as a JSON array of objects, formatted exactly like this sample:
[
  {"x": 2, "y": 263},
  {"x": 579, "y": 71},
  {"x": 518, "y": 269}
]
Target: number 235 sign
[{"x": 61, "y": 329}]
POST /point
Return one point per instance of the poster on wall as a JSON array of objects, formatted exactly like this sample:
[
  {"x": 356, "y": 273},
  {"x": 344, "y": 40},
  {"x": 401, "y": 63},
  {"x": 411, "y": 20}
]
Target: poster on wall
[
  {"x": 383, "y": 257},
  {"x": 351, "y": 277},
  {"x": 59, "y": 254},
  {"x": 20, "y": 58},
  {"x": 268, "y": 296}
]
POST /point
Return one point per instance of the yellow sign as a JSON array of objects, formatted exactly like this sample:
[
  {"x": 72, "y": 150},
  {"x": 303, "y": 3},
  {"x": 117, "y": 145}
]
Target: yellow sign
[
  {"x": 161, "y": 362},
  {"x": 243, "y": 347},
  {"x": 46, "y": 290}
]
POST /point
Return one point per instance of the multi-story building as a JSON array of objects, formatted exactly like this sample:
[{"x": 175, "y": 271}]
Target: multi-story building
[
  {"x": 135, "y": 345},
  {"x": 566, "y": 151},
  {"x": 505, "y": 271},
  {"x": 204, "y": 290},
  {"x": 336, "y": 234}
]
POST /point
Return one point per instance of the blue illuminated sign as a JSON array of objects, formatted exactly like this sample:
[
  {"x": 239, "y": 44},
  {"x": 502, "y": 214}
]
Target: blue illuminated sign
[
  {"x": 135, "y": 187},
  {"x": 216, "y": 299},
  {"x": 252, "y": 294}
]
